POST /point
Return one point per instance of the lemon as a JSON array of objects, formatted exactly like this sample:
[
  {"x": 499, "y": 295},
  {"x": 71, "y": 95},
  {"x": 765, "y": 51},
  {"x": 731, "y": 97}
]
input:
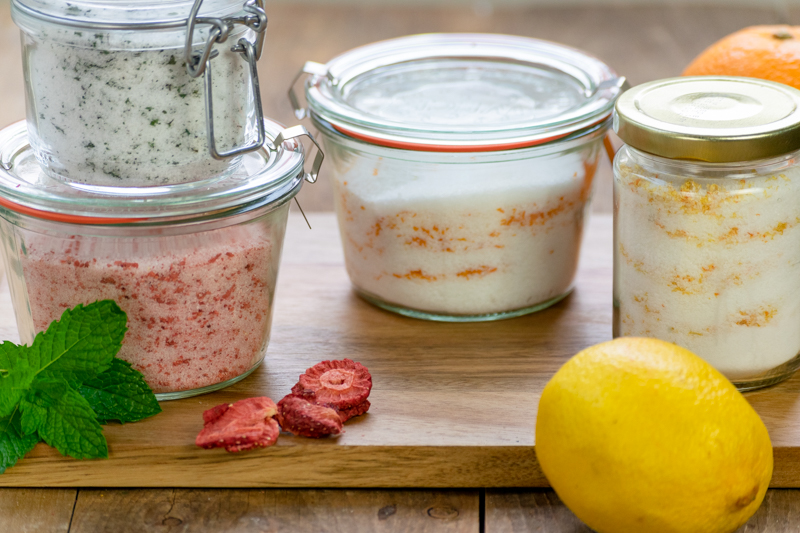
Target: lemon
[{"x": 640, "y": 435}]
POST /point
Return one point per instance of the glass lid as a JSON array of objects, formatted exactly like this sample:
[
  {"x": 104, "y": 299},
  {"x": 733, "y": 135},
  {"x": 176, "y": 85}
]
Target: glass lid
[
  {"x": 79, "y": 12},
  {"x": 455, "y": 92},
  {"x": 264, "y": 176}
]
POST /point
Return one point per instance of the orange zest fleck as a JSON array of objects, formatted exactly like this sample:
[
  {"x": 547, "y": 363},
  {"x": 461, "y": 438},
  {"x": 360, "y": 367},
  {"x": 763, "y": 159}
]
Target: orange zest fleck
[
  {"x": 757, "y": 318},
  {"x": 480, "y": 271},
  {"x": 537, "y": 218},
  {"x": 415, "y": 274}
]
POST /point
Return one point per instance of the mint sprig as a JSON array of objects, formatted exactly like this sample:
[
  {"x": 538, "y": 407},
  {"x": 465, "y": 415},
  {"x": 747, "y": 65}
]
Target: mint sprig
[{"x": 69, "y": 381}]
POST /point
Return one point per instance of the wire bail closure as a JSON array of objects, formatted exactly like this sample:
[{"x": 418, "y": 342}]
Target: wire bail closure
[
  {"x": 313, "y": 68},
  {"x": 293, "y": 133},
  {"x": 198, "y": 62}
]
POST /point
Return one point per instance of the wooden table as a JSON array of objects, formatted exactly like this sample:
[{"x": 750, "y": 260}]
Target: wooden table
[
  {"x": 313, "y": 511},
  {"x": 315, "y": 255},
  {"x": 642, "y": 43},
  {"x": 453, "y": 405}
]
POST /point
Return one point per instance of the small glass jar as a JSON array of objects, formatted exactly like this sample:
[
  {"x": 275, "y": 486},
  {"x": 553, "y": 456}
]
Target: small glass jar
[
  {"x": 707, "y": 222},
  {"x": 194, "y": 270},
  {"x": 111, "y": 100},
  {"x": 462, "y": 167}
]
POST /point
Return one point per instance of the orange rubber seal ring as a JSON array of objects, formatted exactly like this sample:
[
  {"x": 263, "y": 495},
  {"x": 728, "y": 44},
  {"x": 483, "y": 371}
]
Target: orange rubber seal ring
[
  {"x": 444, "y": 147},
  {"x": 60, "y": 217},
  {"x": 452, "y": 148}
]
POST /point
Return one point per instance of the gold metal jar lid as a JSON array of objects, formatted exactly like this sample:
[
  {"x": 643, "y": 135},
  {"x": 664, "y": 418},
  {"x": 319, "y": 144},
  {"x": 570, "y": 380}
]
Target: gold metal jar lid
[{"x": 717, "y": 119}]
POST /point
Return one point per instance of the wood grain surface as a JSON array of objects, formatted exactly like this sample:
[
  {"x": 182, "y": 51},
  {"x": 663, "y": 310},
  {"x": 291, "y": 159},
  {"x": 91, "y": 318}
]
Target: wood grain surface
[
  {"x": 36, "y": 510},
  {"x": 534, "y": 511},
  {"x": 296, "y": 511},
  {"x": 453, "y": 404},
  {"x": 541, "y": 511},
  {"x": 300, "y": 511}
]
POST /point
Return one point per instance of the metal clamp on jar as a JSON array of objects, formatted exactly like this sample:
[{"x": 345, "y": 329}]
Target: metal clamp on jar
[
  {"x": 113, "y": 90},
  {"x": 707, "y": 222}
]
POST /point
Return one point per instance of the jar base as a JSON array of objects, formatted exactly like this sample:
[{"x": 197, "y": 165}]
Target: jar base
[
  {"x": 769, "y": 378},
  {"x": 137, "y": 184},
  {"x": 440, "y": 317},
  {"x": 177, "y": 395}
]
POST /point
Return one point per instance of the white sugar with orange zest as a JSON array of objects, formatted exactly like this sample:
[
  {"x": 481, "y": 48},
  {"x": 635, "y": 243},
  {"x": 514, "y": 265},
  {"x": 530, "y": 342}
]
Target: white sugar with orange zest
[
  {"x": 468, "y": 239},
  {"x": 712, "y": 265},
  {"x": 707, "y": 253}
]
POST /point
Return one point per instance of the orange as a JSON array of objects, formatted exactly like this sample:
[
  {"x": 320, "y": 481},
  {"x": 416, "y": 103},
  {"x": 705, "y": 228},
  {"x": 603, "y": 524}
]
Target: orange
[{"x": 766, "y": 52}]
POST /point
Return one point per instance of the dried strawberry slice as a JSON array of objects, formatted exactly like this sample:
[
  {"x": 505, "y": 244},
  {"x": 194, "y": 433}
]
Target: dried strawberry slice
[
  {"x": 340, "y": 384},
  {"x": 305, "y": 419},
  {"x": 240, "y": 426},
  {"x": 215, "y": 412},
  {"x": 270, "y": 436},
  {"x": 360, "y": 409}
]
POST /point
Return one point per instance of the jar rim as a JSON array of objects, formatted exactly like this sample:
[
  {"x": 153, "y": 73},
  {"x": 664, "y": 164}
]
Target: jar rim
[
  {"x": 564, "y": 90},
  {"x": 266, "y": 176},
  {"x": 134, "y": 14},
  {"x": 599, "y": 129},
  {"x": 696, "y": 167}
]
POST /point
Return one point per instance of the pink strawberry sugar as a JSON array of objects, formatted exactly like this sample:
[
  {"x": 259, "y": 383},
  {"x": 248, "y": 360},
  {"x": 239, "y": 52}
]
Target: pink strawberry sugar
[{"x": 198, "y": 305}]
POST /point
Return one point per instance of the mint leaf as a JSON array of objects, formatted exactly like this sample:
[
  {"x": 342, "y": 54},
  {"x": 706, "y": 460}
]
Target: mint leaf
[
  {"x": 16, "y": 375},
  {"x": 76, "y": 348},
  {"x": 13, "y": 445},
  {"x": 33, "y": 417},
  {"x": 34, "y": 414},
  {"x": 81, "y": 344},
  {"x": 120, "y": 393},
  {"x": 64, "y": 420}
]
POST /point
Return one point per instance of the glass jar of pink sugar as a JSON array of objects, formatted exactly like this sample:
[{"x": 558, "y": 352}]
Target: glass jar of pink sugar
[{"x": 193, "y": 266}]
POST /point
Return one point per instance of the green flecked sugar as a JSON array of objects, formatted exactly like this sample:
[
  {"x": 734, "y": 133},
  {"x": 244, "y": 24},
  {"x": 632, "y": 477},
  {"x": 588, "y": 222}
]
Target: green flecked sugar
[{"x": 140, "y": 104}]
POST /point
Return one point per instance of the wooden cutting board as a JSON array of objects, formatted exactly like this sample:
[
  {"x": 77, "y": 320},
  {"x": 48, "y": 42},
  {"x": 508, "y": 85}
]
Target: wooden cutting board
[{"x": 453, "y": 405}]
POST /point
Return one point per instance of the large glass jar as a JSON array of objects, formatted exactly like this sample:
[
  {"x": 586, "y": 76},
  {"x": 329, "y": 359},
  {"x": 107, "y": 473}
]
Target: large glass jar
[
  {"x": 111, "y": 100},
  {"x": 195, "y": 270},
  {"x": 707, "y": 222},
  {"x": 462, "y": 167}
]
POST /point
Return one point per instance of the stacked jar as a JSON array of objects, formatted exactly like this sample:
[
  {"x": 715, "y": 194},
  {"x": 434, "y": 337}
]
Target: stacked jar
[
  {"x": 146, "y": 174},
  {"x": 707, "y": 222}
]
